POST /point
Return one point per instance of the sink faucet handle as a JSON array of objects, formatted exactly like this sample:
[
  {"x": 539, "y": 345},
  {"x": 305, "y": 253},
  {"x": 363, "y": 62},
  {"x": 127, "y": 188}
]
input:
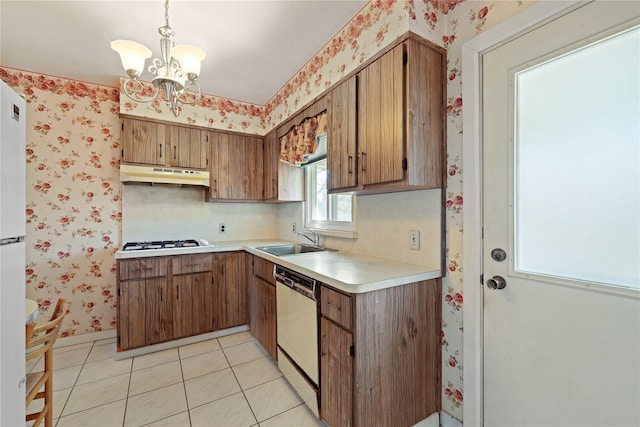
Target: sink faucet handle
[{"x": 315, "y": 239}]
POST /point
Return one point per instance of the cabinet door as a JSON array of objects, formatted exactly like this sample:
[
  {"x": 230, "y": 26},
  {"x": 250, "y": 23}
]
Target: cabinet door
[
  {"x": 142, "y": 142},
  {"x": 187, "y": 147},
  {"x": 380, "y": 119},
  {"x": 214, "y": 168},
  {"x": 254, "y": 161},
  {"x": 131, "y": 317},
  {"x": 271, "y": 160},
  {"x": 230, "y": 296},
  {"x": 265, "y": 306},
  {"x": 342, "y": 162},
  {"x": 183, "y": 310},
  {"x": 202, "y": 295},
  {"x": 336, "y": 374},
  {"x": 158, "y": 311}
]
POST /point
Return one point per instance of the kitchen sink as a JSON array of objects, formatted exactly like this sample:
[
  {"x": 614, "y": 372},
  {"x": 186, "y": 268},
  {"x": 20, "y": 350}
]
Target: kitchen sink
[{"x": 281, "y": 250}]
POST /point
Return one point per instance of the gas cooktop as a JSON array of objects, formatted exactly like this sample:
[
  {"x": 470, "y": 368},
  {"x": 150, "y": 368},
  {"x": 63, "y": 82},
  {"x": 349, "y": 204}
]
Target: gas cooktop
[{"x": 160, "y": 244}]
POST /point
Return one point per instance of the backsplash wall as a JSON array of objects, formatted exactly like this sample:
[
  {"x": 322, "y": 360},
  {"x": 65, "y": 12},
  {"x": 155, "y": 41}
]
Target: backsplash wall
[
  {"x": 383, "y": 222},
  {"x": 167, "y": 212}
]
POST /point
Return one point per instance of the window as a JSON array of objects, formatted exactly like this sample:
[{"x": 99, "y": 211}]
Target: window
[{"x": 330, "y": 212}]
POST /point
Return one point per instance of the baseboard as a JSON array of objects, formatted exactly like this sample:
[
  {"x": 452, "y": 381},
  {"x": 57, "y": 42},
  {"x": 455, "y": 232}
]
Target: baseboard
[
  {"x": 447, "y": 420},
  {"x": 85, "y": 338},
  {"x": 430, "y": 421},
  {"x": 177, "y": 343}
]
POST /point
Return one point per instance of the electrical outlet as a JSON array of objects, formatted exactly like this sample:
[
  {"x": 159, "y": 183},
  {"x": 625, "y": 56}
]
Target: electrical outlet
[
  {"x": 222, "y": 228},
  {"x": 414, "y": 240},
  {"x": 294, "y": 230}
]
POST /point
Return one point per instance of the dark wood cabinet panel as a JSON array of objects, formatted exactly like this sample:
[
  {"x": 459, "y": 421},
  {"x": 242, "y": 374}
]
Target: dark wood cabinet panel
[
  {"x": 142, "y": 142},
  {"x": 342, "y": 159},
  {"x": 380, "y": 119},
  {"x": 262, "y": 304},
  {"x": 229, "y": 295},
  {"x": 265, "y": 316},
  {"x": 202, "y": 300},
  {"x": 336, "y": 306},
  {"x": 236, "y": 167},
  {"x": 396, "y": 122},
  {"x": 131, "y": 314},
  {"x": 391, "y": 357},
  {"x": 183, "y": 306},
  {"x": 152, "y": 143},
  {"x": 166, "y": 298},
  {"x": 188, "y": 147},
  {"x": 336, "y": 374},
  {"x": 158, "y": 311}
]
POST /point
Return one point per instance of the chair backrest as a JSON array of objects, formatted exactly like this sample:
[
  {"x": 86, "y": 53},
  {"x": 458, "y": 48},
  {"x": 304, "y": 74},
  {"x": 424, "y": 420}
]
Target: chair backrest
[{"x": 41, "y": 338}]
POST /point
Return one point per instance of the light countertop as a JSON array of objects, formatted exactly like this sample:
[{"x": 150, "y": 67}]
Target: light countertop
[{"x": 347, "y": 271}]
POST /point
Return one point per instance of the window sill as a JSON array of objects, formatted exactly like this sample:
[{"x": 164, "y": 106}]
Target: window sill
[{"x": 335, "y": 233}]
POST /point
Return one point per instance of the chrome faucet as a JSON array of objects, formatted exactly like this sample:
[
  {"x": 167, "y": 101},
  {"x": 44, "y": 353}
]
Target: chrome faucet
[{"x": 315, "y": 239}]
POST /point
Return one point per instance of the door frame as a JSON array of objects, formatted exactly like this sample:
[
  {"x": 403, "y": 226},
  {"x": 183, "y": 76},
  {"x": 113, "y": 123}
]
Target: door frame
[{"x": 472, "y": 52}]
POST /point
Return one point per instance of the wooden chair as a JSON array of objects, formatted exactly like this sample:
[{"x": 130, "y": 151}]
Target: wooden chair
[{"x": 40, "y": 340}]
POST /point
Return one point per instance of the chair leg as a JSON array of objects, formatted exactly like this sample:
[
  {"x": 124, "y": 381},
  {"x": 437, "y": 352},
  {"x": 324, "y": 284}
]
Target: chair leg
[{"x": 48, "y": 388}]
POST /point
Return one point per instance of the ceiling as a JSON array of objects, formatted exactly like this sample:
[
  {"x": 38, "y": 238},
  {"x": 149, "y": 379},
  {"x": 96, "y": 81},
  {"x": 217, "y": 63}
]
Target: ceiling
[{"x": 253, "y": 46}]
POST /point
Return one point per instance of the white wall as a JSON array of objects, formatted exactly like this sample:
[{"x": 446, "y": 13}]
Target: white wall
[
  {"x": 165, "y": 212},
  {"x": 383, "y": 222}
]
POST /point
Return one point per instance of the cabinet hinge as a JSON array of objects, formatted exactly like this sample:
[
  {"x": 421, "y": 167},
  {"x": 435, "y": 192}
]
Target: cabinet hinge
[
  {"x": 482, "y": 279},
  {"x": 122, "y": 126},
  {"x": 404, "y": 164},
  {"x": 122, "y": 153},
  {"x": 352, "y": 351},
  {"x": 118, "y": 339},
  {"x": 405, "y": 58}
]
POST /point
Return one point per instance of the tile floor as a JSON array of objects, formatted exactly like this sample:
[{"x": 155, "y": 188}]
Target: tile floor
[{"x": 229, "y": 381}]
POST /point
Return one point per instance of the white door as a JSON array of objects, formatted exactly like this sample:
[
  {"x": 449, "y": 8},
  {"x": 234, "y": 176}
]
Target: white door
[{"x": 561, "y": 161}]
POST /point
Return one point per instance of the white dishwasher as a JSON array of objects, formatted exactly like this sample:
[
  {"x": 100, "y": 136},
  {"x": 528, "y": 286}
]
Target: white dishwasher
[{"x": 297, "y": 331}]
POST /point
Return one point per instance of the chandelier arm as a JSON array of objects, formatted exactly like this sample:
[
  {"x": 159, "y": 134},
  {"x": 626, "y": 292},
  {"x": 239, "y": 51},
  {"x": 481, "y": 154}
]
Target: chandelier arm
[
  {"x": 188, "y": 88},
  {"x": 133, "y": 96}
]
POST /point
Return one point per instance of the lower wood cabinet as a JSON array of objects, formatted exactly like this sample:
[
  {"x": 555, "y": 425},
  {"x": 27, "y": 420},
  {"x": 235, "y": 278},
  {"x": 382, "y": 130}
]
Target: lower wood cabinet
[
  {"x": 229, "y": 291},
  {"x": 262, "y": 304},
  {"x": 166, "y": 298},
  {"x": 380, "y": 355}
]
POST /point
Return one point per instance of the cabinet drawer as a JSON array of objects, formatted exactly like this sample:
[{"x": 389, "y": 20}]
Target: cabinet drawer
[
  {"x": 336, "y": 306},
  {"x": 263, "y": 269},
  {"x": 185, "y": 264},
  {"x": 140, "y": 268}
]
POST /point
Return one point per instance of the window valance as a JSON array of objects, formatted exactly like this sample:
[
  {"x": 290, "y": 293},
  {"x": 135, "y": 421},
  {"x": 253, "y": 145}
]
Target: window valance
[{"x": 300, "y": 145}]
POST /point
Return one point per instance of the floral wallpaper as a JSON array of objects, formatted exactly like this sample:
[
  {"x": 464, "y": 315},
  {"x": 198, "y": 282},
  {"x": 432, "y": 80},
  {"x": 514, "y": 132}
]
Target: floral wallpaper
[
  {"x": 73, "y": 151},
  {"x": 210, "y": 111},
  {"x": 73, "y": 197}
]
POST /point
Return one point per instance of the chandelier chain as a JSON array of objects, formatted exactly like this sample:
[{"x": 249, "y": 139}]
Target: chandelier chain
[{"x": 166, "y": 12}]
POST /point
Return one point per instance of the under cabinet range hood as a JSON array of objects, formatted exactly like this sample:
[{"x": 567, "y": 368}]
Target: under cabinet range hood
[{"x": 163, "y": 175}]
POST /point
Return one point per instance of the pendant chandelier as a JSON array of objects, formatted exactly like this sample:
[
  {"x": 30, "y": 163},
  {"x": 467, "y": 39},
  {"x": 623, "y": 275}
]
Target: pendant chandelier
[{"x": 176, "y": 73}]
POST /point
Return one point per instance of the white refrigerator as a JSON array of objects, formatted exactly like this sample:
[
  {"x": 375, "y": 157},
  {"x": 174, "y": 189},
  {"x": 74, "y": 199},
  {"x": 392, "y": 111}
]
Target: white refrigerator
[{"x": 12, "y": 256}]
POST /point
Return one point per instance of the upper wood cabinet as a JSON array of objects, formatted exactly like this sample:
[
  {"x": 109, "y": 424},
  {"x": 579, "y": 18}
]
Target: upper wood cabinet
[
  {"x": 282, "y": 182},
  {"x": 143, "y": 142},
  {"x": 236, "y": 167},
  {"x": 397, "y": 121},
  {"x": 152, "y": 143},
  {"x": 188, "y": 147},
  {"x": 342, "y": 160}
]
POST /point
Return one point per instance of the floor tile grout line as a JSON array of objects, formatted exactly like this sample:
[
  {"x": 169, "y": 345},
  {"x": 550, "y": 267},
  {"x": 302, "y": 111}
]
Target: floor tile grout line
[
  {"x": 126, "y": 403},
  {"x": 184, "y": 386},
  {"x": 74, "y": 383},
  {"x": 241, "y": 389}
]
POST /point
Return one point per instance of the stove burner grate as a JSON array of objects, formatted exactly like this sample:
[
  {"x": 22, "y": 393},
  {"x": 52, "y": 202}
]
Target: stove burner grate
[{"x": 161, "y": 244}]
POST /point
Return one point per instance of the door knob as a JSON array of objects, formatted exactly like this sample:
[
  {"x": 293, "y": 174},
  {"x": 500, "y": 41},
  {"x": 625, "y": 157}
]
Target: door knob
[{"x": 496, "y": 282}]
